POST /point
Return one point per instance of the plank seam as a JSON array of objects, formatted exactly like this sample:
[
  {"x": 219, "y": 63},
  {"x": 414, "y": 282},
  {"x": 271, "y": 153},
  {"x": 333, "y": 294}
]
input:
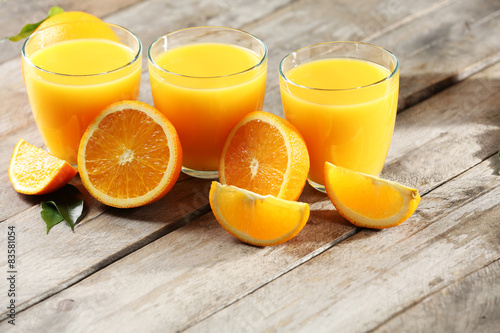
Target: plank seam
[
  {"x": 416, "y": 302},
  {"x": 317, "y": 252},
  {"x": 296, "y": 264},
  {"x": 275, "y": 10},
  {"x": 458, "y": 174},
  {"x": 180, "y": 222},
  {"x": 434, "y": 8}
]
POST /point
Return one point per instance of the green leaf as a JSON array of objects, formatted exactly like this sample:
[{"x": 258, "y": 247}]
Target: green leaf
[
  {"x": 50, "y": 214},
  {"x": 54, "y": 10},
  {"x": 28, "y": 29},
  {"x": 68, "y": 203}
]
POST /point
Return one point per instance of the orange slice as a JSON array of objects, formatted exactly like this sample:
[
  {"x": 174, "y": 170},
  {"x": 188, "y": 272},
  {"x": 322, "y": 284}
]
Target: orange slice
[
  {"x": 256, "y": 219},
  {"x": 32, "y": 170},
  {"x": 265, "y": 154},
  {"x": 130, "y": 155},
  {"x": 369, "y": 201}
]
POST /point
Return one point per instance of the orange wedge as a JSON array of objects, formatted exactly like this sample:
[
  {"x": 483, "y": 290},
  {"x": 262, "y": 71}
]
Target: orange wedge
[
  {"x": 265, "y": 154},
  {"x": 130, "y": 155},
  {"x": 32, "y": 170},
  {"x": 369, "y": 201},
  {"x": 256, "y": 219}
]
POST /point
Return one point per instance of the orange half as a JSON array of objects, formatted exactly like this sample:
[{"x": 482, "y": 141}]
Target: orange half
[
  {"x": 130, "y": 155},
  {"x": 265, "y": 154}
]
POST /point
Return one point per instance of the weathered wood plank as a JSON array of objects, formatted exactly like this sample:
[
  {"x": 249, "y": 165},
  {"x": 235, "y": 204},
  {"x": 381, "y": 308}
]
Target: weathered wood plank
[
  {"x": 438, "y": 42},
  {"x": 370, "y": 20},
  {"x": 455, "y": 130},
  {"x": 470, "y": 304},
  {"x": 148, "y": 20},
  {"x": 314, "y": 237},
  {"x": 452, "y": 44},
  {"x": 158, "y": 17},
  {"x": 457, "y": 47},
  {"x": 189, "y": 283},
  {"x": 50, "y": 263},
  {"x": 477, "y": 92},
  {"x": 11, "y": 202},
  {"x": 201, "y": 250},
  {"x": 15, "y": 14},
  {"x": 18, "y": 116},
  {"x": 360, "y": 283}
]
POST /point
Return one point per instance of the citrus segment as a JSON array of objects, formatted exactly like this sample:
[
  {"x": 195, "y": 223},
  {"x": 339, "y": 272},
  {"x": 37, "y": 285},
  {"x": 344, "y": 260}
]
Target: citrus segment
[
  {"x": 369, "y": 201},
  {"x": 130, "y": 155},
  {"x": 256, "y": 219},
  {"x": 32, "y": 170},
  {"x": 265, "y": 154}
]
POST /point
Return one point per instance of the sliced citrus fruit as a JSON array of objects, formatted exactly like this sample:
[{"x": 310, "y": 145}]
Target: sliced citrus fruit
[
  {"x": 369, "y": 201},
  {"x": 130, "y": 155},
  {"x": 256, "y": 219},
  {"x": 32, "y": 170},
  {"x": 265, "y": 154}
]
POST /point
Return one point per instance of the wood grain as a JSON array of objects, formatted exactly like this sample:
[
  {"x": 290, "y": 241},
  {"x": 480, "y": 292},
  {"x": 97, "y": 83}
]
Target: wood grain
[
  {"x": 172, "y": 266},
  {"x": 272, "y": 27},
  {"x": 15, "y": 14},
  {"x": 470, "y": 304},
  {"x": 454, "y": 39},
  {"x": 365, "y": 280},
  {"x": 50, "y": 263},
  {"x": 165, "y": 17},
  {"x": 455, "y": 130},
  {"x": 215, "y": 273},
  {"x": 442, "y": 54}
]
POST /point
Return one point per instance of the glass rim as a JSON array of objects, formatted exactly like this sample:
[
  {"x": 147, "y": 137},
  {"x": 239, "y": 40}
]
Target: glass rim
[
  {"x": 134, "y": 59},
  {"x": 387, "y": 78},
  {"x": 261, "y": 61}
]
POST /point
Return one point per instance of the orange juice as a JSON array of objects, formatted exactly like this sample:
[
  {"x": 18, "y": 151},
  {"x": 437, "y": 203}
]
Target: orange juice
[
  {"x": 70, "y": 82},
  {"x": 204, "y": 89},
  {"x": 345, "y": 109}
]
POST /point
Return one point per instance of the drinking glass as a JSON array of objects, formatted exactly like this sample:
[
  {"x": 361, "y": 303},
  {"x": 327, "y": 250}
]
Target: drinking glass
[
  {"x": 73, "y": 71},
  {"x": 205, "y": 79},
  {"x": 342, "y": 97}
]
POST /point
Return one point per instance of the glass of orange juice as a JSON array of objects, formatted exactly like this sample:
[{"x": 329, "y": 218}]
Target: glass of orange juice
[
  {"x": 342, "y": 97},
  {"x": 205, "y": 79},
  {"x": 72, "y": 71}
]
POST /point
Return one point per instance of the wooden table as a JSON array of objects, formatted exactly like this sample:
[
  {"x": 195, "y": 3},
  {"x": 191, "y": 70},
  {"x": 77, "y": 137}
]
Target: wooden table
[{"x": 171, "y": 267}]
